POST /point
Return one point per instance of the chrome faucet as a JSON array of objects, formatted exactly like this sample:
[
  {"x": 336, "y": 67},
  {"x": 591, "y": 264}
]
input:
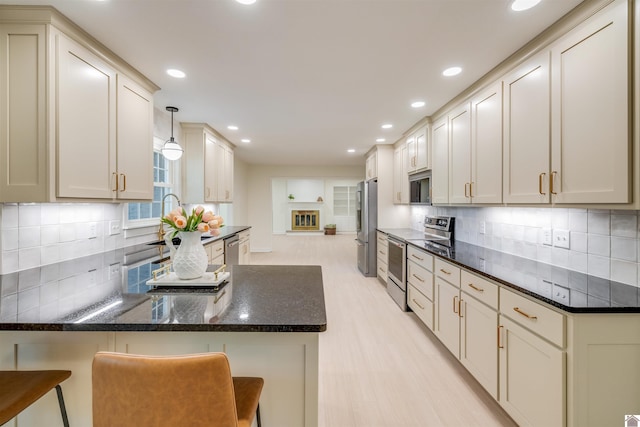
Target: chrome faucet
[{"x": 161, "y": 229}]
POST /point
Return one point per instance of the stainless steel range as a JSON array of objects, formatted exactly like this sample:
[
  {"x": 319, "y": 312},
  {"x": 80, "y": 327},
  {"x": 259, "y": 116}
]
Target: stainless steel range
[{"x": 438, "y": 238}]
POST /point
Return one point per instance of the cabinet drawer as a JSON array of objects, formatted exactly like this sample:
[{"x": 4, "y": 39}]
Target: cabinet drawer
[
  {"x": 545, "y": 322},
  {"x": 216, "y": 248},
  {"x": 383, "y": 254},
  {"x": 448, "y": 272},
  {"x": 421, "y": 279},
  {"x": 382, "y": 271},
  {"x": 244, "y": 235},
  {"x": 479, "y": 288},
  {"x": 420, "y": 305},
  {"x": 421, "y": 258},
  {"x": 382, "y": 240}
]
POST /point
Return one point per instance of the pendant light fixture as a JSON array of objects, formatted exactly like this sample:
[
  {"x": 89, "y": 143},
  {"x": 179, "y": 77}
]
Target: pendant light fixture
[{"x": 171, "y": 150}]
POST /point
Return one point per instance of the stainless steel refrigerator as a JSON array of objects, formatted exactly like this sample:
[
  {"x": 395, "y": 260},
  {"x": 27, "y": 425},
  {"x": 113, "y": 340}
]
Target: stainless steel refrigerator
[{"x": 366, "y": 224}]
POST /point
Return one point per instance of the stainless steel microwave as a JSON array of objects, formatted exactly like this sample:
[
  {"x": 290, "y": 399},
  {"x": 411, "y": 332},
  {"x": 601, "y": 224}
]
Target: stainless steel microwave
[{"x": 420, "y": 188}]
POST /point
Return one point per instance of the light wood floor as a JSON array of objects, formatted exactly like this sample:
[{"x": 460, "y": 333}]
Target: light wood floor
[{"x": 380, "y": 367}]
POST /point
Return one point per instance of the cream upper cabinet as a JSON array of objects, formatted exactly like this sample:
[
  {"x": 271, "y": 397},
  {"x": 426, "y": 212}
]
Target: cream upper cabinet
[
  {"x": 590, "y": 99},
  {"x": 208, "y": 165},
  {"x": 23, "y": 142},
  {"x": 486, "y": 146},
  {"x": 400, "y": 177},
  {"x": 86, "y": 123},
  {"x": 440, "y": 166},
  {"x": 460, "y": 149},
  {"x": 526, "y": 132},
  {"x": 80, "y": 119},
  {"x": 134, "y": 141},
  {"x": 224, "y": 157},
  {"x": 371, "y": 165},
  {"x": 418, "y": 150}
]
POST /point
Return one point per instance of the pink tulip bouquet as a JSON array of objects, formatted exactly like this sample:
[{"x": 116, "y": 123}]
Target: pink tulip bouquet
[{"x": 199, "y": 220}]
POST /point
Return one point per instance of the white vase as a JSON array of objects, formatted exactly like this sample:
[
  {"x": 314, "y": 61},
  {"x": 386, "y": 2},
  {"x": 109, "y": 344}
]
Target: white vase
[{"x": 189, "y": 260}]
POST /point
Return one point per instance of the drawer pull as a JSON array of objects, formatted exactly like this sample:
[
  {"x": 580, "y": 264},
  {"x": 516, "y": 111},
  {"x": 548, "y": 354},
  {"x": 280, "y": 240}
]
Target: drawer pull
[
  {"x": 445, "y": 271},
  {"x": 500, "y": 336},
  {"x": 417, "y": 303},
  {"x": 475, "y": 288},
  {"x": 418, "y": 277},
  {"x": 417, "y": 257},
  {"x": 528, "y": 316}
]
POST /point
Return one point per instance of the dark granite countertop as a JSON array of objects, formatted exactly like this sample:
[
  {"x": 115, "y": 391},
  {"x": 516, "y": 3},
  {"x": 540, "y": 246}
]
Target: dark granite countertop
[
  {"x": 565, "y": 289},
  {"x": 257, "y": 298}
]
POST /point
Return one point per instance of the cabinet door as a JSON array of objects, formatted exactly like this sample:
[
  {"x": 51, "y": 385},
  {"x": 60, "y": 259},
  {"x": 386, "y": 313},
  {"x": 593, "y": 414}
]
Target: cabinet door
[
  {"x": 220, "y": 172},
  {"x": 486, "y": 147},
  {"x": 460, "y": 149},
  {"x": 210, "y": 169},
  {"x": 400, "y": 178},
  {"x": 526, "y": 132},
  {"x": 478, "y": 348},
  {"x": 532, "y": 377},
  {"x": 422, "y": 149},
  {"x": 372, "y": 166},
  {"x": 86, "y": 125},
  {"x": 440, "y": 166},
  {"x": 447, "y": 324},
  {"x": 411, "y": 154},
  {"x": 224, "y": 160},
  {"x": 228, "y": 169},
  {"x": 23, "y": 141},
  {"x": 590, "y": 105},
  {"x": 135, "y": 141}
]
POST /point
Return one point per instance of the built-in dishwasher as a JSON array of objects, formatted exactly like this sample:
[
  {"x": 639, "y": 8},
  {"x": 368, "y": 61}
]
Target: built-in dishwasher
[
  {"x": 232, "y": 250},
  {"x": 396, "y": 269}
]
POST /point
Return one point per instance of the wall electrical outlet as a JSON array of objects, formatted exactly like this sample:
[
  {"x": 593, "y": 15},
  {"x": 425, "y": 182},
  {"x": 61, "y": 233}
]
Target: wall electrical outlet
[
  {"x": 114, "y": 270},
  {"x": 547, "y": 237},
  {"x": 561, "y": 238},
  {"x": 114, "y": 227},
  {"x": 483, "y": 227},
  {"x": 93, "y": 230}
]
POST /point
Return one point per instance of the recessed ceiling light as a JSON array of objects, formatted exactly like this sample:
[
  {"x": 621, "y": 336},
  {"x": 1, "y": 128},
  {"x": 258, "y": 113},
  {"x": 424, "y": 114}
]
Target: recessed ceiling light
[
  {"x": 246, "y": 1},
  {"x": 351, "y": 150},
  {"x": 176, "y": 73},
  {"x": 232, "y": 127},
  {"x": 380, "y": 140},
  {"x": 245, "y": 140},
  {"x": 520, "y": 5},
  {"x": 418, "y": 104},
  {"x": 453, "y": 71},
  {"x": 387, "y": 126}
]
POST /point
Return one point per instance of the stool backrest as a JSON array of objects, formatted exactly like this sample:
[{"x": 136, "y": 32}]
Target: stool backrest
[{"x": 190, "y": 390}]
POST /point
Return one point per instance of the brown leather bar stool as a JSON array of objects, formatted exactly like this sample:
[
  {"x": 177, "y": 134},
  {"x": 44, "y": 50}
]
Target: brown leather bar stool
[
  {"x": 190, "y": 390},
  {"x": 19, "y": 389}
]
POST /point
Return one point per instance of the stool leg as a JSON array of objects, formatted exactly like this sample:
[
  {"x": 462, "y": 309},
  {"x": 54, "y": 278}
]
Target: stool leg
[
  {"x": 63, "y": 410},
  {"x": 258, "y": 416}
]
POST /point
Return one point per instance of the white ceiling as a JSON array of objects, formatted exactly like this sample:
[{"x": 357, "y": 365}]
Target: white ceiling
[{"x": 307, "y": 79}]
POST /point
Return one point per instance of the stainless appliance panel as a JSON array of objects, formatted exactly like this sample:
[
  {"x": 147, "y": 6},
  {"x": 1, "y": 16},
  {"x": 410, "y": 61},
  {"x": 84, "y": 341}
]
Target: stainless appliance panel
[
  {"x": 398, "y": 295},
  {"x": 232, "y": 250},
  {"x": 420, "y": 188},
  {"x": 367, "y": 222},
  {"x": 397, "y": 269}
]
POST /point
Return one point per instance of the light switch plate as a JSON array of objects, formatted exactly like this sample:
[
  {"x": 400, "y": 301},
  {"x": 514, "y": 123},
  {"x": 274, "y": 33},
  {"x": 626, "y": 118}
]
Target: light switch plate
[
  {"x": 561, "y": 239},
  {"x": 547, "y": 238}
]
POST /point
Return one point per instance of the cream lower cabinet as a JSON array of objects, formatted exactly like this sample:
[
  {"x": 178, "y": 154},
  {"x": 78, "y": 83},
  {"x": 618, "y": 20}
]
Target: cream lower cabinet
[
  {"x": 447, "y": 305},
  {"x": 382, "y": 256},
  {"x": 420, "y": 284},
  {"x": 215, "y": 252},
  {"x": 245, "y": 247}
]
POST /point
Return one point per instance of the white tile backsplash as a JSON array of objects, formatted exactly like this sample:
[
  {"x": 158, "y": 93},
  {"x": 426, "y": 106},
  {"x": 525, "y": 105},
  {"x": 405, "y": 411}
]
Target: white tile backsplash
[{"x": 603, "y": 243}]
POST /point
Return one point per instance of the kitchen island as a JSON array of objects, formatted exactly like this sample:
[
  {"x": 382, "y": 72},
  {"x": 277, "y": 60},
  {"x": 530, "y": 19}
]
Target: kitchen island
[{"x": 266, "y": 318}]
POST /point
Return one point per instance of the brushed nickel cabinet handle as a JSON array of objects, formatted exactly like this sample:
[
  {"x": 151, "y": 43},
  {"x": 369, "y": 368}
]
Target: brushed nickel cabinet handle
[
  {"x": 417, "y": 303},
  {"x": 528, "y": 316},
  {"x": 540, "y": 182},
  {"x": 475, "y": 288}
]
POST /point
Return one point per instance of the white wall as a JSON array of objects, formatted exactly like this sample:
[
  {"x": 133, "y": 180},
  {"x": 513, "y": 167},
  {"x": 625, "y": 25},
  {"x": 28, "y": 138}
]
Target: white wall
[
  {"x": 260, "y": 215},
  {"x": 602, "y": 243}
]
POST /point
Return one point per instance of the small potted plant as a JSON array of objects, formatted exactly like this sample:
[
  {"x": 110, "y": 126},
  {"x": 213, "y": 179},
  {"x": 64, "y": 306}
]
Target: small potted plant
[
  {"x": 290, "y": 196},
  {"x": 330, "y": 229}
]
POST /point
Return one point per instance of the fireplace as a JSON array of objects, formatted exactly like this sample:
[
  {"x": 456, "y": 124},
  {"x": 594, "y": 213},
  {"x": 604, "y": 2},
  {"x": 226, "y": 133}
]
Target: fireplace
[{"x": 305, "y": 220}]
